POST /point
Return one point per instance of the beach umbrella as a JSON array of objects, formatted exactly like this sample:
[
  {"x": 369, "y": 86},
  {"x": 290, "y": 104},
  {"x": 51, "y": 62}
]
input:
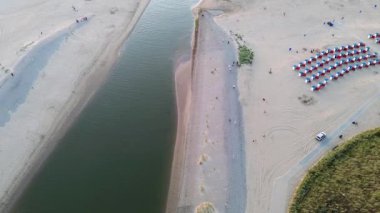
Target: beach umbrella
[
  {"x": 351, "y": 68},
  {"x": 372, "y": 63},
  {"x": 332, "y": 77},
  {"x": 336, "y": 49},
  {"x": 345, "y": 47},
  {"x": 307, "y": 80},
  {"x": 341, "y": 73},
  {"x": 325, "y": 71},
  {"x": 371, "y": 36},
  {"x": 362, "y": 44},
  {"x": 368, "y": 63},
  {"x": 364, "y": 65},
  {"x": 377, "y": 35},
  {"x": 345, "y": 70},
  {"x": 301, "y": 74},
  {"x": 319, "y": 74},
  {"x": 309, "y": 60},
  {"x": 337, "y": 74},
  {"x": 319, "y": 55},
  {"x": 313, "y": 88},
  {"x": 304, "y": 63},
  {"x": 295, "y": 67},
  {"x": 357, "y": 66},
  {"x": 321, "y": 85},
  {"x": 377, "y": 41},
  {"x": 313, "y": 77},
  {"x": 356, "y": 45},
  {"x": 350, "y": 47},
  {"x": 377, "y": 61},
  {"x": 330, "y": 50},
  {"x": 326, "y": 81},
  {"x": 305, "y": 71},
  {"x": 373, "y": 55}
]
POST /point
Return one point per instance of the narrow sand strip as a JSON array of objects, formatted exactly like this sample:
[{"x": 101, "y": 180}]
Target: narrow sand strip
[{"x": 212, "y": 164}]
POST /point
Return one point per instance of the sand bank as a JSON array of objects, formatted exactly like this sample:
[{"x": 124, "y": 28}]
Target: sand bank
[
  {"x": 279, "y": 132},
  {"x": 209, "y": 157},
  {"x": 63, "y": 63}
]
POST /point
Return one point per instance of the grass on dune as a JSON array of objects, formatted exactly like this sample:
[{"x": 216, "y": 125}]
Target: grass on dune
[
  {"x": 245, "y": 55},
  {"x": 346, "y": 180}
]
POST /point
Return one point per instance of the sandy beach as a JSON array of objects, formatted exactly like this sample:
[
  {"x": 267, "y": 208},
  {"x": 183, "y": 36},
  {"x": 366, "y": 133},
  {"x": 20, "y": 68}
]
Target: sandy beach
[
  {"x": 208, "y": 165},
  {"x": 54, "y": 55},
  {"x": 279, "y": 128}
]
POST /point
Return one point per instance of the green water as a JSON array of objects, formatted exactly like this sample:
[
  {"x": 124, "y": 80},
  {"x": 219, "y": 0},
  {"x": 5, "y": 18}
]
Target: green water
[{"x": 117, "y": 155}]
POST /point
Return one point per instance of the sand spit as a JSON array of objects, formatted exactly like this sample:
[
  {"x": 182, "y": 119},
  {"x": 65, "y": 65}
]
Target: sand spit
[
  {"x": 78, "y": 60},
  {"x": 208, "y": 167},
  {"x": 279, "y": 128}
]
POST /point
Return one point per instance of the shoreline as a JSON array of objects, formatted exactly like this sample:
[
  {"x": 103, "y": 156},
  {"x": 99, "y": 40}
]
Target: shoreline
[
  {"x": 223, "y": 162},
  {"x": 84, "y": 89},
  {"x": 183, "y": 90}
]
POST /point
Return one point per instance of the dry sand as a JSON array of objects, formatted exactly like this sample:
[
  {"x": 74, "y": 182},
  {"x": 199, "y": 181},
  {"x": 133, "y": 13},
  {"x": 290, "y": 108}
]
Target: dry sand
[
  {"x": 279, "y": 132},
  {"x": 208, "y": 167},
  {"x": 71, "y": 59}
]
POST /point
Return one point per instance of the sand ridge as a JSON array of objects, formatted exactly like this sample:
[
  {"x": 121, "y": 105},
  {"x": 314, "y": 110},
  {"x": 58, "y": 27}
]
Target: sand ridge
[{"x": 211, "y": 172}]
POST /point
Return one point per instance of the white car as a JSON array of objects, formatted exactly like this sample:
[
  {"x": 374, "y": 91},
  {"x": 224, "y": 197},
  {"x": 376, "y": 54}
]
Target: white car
[{"x": 320, "y": 136}]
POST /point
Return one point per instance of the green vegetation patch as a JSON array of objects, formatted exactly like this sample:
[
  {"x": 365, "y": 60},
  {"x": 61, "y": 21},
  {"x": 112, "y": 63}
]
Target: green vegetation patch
[
  {"x": 346, "y": 180},
  {"x": 245, "y": 55}
]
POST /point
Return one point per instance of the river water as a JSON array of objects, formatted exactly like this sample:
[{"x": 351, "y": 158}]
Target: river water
[{"x": 116, "y": 157}]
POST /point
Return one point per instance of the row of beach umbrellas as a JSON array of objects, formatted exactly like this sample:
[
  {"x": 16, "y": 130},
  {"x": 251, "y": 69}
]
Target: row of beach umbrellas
[
  {"x": 352, "y": 57},
  {"x": 322, "y": 84},
  {"x": 337, "y": 64},
  {"x": 332, "y": 54},
  {"x": 375, "y": 36}
]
